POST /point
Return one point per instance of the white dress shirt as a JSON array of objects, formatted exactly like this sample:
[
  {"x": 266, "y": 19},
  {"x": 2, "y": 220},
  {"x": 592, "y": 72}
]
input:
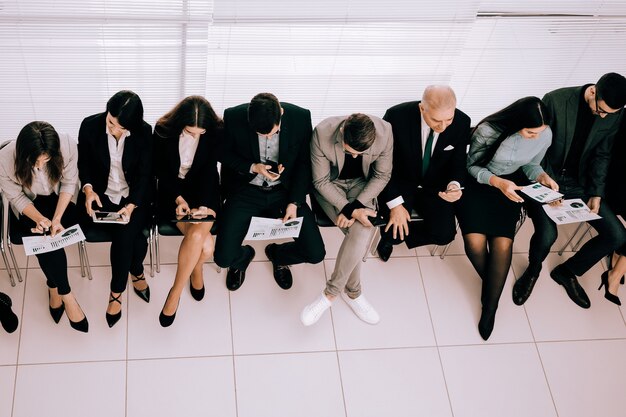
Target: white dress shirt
[
  {"x": 187, "y": 146},
  {"x": 117, "y": 187},
  {"x": 41, "y": 183}
]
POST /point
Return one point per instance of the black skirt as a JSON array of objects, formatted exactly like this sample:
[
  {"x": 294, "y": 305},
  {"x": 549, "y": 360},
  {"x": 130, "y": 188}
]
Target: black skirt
[{"x": 486, "y": 210}]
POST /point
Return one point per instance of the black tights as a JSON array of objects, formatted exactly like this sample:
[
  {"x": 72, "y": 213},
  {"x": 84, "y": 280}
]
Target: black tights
[{"x": 491, "y": 258}]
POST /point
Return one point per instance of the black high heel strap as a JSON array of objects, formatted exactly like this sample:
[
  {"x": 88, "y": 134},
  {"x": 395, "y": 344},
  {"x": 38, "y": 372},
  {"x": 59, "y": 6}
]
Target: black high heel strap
[
  {"x": 137, "y": 279},
  {"x": 113, "y": 298}
]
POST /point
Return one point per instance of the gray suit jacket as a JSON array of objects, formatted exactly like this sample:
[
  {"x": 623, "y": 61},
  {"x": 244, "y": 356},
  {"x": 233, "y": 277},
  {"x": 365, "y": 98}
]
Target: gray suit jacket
[
  {"x": 327, "y": 159},
  {"x": 594, "y": 161}
]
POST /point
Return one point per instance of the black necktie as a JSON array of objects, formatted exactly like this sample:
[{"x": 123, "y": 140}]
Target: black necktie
[{"x": 427, "y": 151}]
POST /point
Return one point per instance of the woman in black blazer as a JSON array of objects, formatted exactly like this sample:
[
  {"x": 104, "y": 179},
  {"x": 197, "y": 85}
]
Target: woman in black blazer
[
  {"x": 186, "y": 141},
  {"x": 114, "y": 164}
]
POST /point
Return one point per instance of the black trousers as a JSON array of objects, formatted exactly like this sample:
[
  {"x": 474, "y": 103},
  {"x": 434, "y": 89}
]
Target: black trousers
[
  {"x": 129, "y": 246},
  {"x": 53, "y": 264},
  {"x": 611, "y": 233},
  {"x": 253, "y": 201},
  {"x": 438, "y": 226}
]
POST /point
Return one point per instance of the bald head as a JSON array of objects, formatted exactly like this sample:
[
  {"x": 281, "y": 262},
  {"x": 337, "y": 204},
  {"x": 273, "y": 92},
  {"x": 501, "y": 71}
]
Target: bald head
[
  {"x": 437, "y": 107},
  {"x": 439, "y": 97}
]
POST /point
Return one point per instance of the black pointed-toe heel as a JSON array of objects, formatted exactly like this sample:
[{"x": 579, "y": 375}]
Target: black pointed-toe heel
[
  {"x": 114, "y": 318},
  {"x": 81, "y": 326},
  {"x": 8, "y": 319},
  {"x": 605, "y": 283},
  {"x": 486, "y": 323},
  {"x": 165, "y": 320},
  {"x": 56, "y": 312},
  {"x": 197, "y": 295},
  {"x": 143, "y": 294}
]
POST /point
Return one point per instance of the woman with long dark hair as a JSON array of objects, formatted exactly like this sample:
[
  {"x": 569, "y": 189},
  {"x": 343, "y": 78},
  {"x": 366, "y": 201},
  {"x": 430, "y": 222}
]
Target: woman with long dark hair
[
  {"x": 39, "y": 176},
  {"x": 114, "y": 164},
  {"x": 186, "y": 141},
  {"x": 505, "y": 154}
]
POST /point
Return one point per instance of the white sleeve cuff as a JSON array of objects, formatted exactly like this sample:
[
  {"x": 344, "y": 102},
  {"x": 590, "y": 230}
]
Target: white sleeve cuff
[
  {"x": 451, "y": 183},
  {"x": 395, "y": 202},
  {"x": 85, "y": 186}
]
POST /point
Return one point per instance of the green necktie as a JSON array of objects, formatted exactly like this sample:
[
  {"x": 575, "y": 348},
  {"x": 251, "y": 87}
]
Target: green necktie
[{"x": 427, "y": 151}]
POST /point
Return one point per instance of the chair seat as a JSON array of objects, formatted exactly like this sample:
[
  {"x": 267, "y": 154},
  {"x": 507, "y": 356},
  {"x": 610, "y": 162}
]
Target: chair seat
[{"x": 168, "y": 228}]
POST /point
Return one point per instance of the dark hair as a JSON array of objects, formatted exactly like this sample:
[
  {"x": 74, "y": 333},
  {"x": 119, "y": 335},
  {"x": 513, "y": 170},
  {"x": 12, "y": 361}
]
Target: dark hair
[
  {"x": 127, "y": 108},
  {"x": 194, "y": 111},
  {"x": 525, "y": 113},
  {"x": 611, "y": 88},
  {"x": 36, "y": 139},
  {"x": 264, "y": 113},
  {"x": 359, "y": 132}
]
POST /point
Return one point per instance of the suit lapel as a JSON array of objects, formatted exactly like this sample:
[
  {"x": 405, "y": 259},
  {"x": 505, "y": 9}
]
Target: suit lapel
[
  {"x": 102, "y": 148},
  {"x": 283, "y": 141},
  {"x": 416, "y": 142},
  {"x": 340, "y": 156},
  {"x": 254, "y": 144},
  {"x": 570, "y": 113}
]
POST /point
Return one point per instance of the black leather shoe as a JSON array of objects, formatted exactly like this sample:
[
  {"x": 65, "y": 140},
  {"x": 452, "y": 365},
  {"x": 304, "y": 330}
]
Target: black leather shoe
[
  {"x": 165, "y": 320},
  {"x": 523, "y": 287},
  {"x": 486, "y": 323},
  {"x": 235, "y": 277},
  {"x": 143, "y": 294},
  {"x": 384, "y": 250},
  {"x": 8, "y": 319},
  {"x": 114, "y": 318},
  {"x": 282, "y": 273},
  {"x": 196, "y": 294},
  {"x": 567, "y": 279},
  {"x": 56, "y": 312}
]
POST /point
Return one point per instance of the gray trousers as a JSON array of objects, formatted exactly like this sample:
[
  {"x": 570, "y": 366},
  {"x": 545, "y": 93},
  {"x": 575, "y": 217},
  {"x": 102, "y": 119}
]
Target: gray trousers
[{"x": 347, "y": 274}]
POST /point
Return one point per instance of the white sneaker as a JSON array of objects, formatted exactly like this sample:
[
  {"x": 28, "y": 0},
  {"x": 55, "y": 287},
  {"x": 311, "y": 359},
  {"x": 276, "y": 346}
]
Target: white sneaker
[
  {"x": 362, "y": 308},
  {"x": 312, "y": 313}
]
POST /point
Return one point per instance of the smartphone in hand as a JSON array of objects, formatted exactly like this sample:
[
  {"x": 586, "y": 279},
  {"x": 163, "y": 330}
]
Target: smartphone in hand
[{"x": 274, "y": 167}]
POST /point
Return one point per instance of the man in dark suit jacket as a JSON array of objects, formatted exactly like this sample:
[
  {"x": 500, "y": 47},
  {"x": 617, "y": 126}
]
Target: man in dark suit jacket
[
  {"x": 584, "y": 123},
  {"x": 430, "y": 184},
  {"x": 266, "y": 169}
]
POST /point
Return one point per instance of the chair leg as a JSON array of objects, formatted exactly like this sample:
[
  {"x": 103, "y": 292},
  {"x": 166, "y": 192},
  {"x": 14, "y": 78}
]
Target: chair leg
[
  {"x": 81, "y": 257},
  {"x": 560, "y": 252},
  {"x": 580, "y": 240},
  {"x": 433, "y": 251},
  {"x": 157, "y": 250},
  {"x": 445, "y": 250},
  {"x": 6, "y": 263},
  {"x": 87, "y": 265},
  {"x": 219, "y": 268},
  {"x": 16, "y": 267},
  {"x": 151, "y": 253}
]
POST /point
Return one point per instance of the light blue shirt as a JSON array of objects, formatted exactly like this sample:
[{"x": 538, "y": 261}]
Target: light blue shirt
[
  {"x": 515, "y": 152},
  {"x": 268, "y": 150}
]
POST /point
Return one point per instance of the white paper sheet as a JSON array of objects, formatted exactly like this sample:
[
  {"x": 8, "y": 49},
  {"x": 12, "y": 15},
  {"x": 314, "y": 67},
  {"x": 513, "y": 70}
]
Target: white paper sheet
[
  {"x": 570, "y": 211},
  {"x": 34, "y": 245},
  {"x": 262, "y": 228},
  {"x": 541, "y": 193}
]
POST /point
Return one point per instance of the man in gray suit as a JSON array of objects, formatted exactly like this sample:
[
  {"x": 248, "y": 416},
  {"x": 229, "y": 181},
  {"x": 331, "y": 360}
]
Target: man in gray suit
[
  {"x": 584, "y": 124},
  {"x": 351, "y": 161}
]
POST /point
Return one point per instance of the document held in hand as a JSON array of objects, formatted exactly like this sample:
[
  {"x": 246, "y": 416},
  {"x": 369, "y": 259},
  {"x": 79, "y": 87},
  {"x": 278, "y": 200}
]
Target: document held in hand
[
  {"x": 570, "y": 211},
  {"x": 262, "y": 228},
  {"x": 541, "y": 193},
  {"x": 34, "y": 245}
]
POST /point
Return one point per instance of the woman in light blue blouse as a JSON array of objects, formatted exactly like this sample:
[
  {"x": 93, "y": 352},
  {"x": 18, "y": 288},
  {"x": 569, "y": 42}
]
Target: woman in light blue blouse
[{"x": 505, "y": 153}]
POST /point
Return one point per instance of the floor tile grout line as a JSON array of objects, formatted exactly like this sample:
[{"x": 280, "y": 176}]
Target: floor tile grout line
[
  {"x": 332, "y": 325},
  {"x": 19, "y": 338},
  {"x": 126, "y": 358},
  {"x": 432, "y": 324},
  {"x": 232, "y": 349}
]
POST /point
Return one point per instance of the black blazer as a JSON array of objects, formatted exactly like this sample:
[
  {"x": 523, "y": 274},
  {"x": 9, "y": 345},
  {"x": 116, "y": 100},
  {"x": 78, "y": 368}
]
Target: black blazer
[
  {"x": 596, "y": 155},
  {"x": 616, "y": 177},
  {"x": 241, "y": 150},
  {"x": 201, "y": 184},
  {"x": 445, "y": 165},
  {"x": 94, "y": 160}
]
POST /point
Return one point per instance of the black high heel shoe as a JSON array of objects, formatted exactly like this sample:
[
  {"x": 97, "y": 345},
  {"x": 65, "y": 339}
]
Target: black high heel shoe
[
  {"x": 197, "y": 295},
  {"x": 56, "y": 312},
  {"x": 8, "y": 319},
  {"x": 114, "y": 318},
  {"x": 605, "y": 283},
  {"x": 143, "y": 294},
  {"x": 486, "y": 323},
  {"x": 81, "y": 326},
  {"x": 164, "y": 319}
]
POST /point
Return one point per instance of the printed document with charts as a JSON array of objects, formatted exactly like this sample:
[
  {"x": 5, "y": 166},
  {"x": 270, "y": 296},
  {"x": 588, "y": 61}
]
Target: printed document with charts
[
  {"x": 262, "y": 228},
  {"x": 34, "y": 245},
  {"x": 541, "y": 193},
  {"x": 570, "y": 211}
]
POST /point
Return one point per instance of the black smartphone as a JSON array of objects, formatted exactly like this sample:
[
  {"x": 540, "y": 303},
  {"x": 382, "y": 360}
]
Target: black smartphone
[
  {"x": 274, "y": 167},
  {"x": 377, "y": 220}
]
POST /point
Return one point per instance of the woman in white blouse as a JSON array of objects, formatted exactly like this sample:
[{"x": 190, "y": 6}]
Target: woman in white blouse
[
  {"x": 186, "y": 141},
  {"x": 39, "y": 176}
]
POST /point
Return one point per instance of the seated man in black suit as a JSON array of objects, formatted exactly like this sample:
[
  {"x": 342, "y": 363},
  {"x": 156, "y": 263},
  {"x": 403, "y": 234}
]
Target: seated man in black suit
[
  {"x": 261, "y": 137},
  {"x": 429, "y": 164}
]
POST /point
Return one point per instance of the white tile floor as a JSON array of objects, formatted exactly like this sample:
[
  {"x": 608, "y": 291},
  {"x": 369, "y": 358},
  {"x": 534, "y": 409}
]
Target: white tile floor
[{"x": 246, "y": 354}]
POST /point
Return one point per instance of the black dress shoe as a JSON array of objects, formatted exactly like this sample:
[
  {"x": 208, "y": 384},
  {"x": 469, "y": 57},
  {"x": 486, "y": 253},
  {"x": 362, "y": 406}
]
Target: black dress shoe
[
  {"x": 486, "y": 323},
  {"x": 282, "y": 273},
  {"x": 8, "y": 319},
  {"x": 235, "y": 277},
  {"x": 523, "y": 287},
  {"x": 567, "y": 279},
  {"x": 164, "y": 319},
  {"x": 143, "y": 294},
  {"x": 114, "y": 318},
  {"x": 384, "y": 250},
  {"x": 196, "y": 294},
  {"x": 56, "y": 312}
]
